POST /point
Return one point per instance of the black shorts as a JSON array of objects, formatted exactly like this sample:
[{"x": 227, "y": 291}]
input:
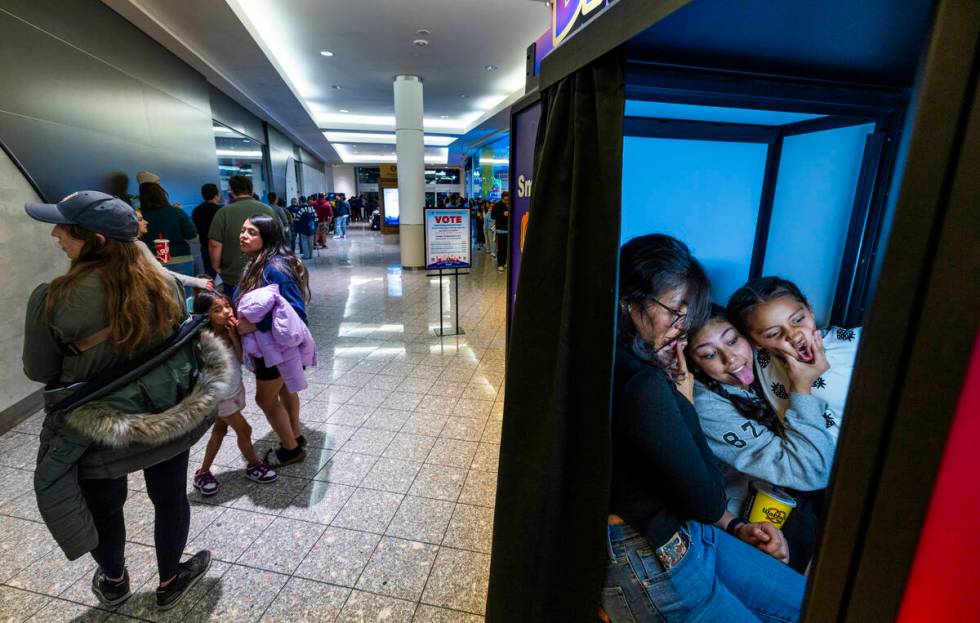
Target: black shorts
[{"x": 264, "y": 372}]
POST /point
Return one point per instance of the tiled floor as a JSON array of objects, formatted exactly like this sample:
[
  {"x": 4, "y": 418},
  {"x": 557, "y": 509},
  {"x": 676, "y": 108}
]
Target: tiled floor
[{"x": 390, "y": 516}]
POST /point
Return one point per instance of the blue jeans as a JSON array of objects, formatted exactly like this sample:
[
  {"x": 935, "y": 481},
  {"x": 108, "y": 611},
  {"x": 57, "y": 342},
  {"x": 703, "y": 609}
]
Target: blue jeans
[
  {"x": 719, "y": 580},
  {"x": 340, "y": 225},
  {"x": 306, "y": 246}
]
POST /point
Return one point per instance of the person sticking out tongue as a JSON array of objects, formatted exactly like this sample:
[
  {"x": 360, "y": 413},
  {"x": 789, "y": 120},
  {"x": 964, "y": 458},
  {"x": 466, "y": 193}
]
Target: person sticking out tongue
[{"x": 793, "y": 450}]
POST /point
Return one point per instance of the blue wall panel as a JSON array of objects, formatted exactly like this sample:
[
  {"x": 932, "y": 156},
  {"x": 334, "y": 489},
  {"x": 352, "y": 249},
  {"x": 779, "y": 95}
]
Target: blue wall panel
[
  {"x": 818, "y": 176},
  {"x": 705, "y": 193}
]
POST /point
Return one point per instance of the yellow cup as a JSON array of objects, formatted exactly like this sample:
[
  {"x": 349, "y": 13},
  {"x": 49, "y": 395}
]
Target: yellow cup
[{"x": 770, "y": 504}]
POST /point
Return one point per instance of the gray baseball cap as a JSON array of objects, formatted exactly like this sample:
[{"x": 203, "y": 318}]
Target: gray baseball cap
[{"x": 99, "y": 212}]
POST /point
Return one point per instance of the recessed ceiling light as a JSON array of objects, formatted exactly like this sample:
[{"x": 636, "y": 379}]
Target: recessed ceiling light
[
  {"x": 344, "y": 110},
  {"x": 423, "y": 32},
  {"x": 326, "y": 53},
  {"x": 336, "y": 86},
  {"x": 490, "y": 67},
  {"x": 463, "y": 96},
  {"x": 421, "y": 43},
  {"x": 444, "y": 116}
]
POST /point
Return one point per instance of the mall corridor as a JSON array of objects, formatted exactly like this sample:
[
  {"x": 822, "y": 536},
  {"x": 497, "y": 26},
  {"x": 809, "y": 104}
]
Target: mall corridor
[{"x": 390, "y": 516}]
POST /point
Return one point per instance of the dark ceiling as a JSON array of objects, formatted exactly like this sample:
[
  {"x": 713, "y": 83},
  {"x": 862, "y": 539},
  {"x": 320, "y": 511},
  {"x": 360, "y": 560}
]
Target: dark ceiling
[{"x": 856, "y": 41}]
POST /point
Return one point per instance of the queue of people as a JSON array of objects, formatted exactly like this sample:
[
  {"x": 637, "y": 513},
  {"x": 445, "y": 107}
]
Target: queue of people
[
  {"x": 133, "y": 378},
  {"x": 711, "y": 406}
]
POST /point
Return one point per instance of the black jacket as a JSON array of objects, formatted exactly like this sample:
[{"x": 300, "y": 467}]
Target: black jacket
[
  {"x": 664, "y": 474},
  {"x": 500, "y": 221}
]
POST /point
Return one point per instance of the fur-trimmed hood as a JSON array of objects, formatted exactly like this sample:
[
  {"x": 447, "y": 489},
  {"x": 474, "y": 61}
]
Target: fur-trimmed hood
[{"x": 108, "y": 426}]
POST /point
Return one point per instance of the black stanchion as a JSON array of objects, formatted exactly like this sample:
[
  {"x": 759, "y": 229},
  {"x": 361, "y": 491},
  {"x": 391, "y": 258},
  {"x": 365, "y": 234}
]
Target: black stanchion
[{"x": 456, "y": 330}]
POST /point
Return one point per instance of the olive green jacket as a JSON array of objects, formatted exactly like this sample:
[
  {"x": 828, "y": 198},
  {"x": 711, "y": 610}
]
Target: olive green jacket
[{"x": 150, "y": 415}]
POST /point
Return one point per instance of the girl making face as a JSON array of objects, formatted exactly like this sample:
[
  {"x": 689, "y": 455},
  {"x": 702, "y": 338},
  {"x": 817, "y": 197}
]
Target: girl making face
[
  {"x": 775, "y": 316},
  {"x": 794, "y": 450}
]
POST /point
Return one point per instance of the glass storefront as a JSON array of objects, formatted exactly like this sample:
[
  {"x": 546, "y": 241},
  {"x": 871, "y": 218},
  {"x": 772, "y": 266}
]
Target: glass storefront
[
  {"x": 440, "y": 183},
  {"x": 240, "y": 155},
  {"x": 491, "y": 169}
]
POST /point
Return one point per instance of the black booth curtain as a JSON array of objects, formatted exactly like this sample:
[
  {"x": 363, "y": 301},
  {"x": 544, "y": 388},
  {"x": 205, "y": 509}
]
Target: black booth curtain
[{"x": 553, "y": 489}]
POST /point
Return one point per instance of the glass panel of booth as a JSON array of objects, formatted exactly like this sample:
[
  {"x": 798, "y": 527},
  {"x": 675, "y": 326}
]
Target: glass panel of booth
[{"x": 818, "y": 175}]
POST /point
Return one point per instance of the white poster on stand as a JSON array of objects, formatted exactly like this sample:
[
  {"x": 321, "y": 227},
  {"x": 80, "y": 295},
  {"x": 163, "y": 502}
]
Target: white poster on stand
[{"x": 447, "y": 238}]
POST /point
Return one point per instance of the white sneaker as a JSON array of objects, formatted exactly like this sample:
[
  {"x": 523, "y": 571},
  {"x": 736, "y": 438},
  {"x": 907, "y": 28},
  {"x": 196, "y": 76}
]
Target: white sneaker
[{"x": 500, "y": 269}]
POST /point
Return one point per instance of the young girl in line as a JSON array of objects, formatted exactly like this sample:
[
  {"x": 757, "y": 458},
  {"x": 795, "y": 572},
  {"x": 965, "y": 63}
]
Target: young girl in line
[
  {"x": 224, "y": 324},
  {"x": 270, "y": 262}
]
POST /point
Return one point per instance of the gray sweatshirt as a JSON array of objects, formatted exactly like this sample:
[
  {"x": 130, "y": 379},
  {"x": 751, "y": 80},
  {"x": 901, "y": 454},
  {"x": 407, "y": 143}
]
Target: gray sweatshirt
[{"x": 750, "y": 451}]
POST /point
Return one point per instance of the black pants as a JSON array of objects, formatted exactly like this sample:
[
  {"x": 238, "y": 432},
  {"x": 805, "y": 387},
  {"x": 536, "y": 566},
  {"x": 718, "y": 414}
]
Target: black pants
[
  {"x": 166, "y": 484},
  {"x": 502, "y": 247}
]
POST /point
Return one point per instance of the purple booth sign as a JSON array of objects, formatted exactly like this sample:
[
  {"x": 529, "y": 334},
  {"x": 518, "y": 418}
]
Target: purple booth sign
[{"x": 524, "y": 132}]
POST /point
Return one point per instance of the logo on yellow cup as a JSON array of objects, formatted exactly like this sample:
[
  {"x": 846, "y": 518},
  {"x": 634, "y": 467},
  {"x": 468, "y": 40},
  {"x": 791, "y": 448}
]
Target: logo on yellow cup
[{"x": 775, "y": 516}]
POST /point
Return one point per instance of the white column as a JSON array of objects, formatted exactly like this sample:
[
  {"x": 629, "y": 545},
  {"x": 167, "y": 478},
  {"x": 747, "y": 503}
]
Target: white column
[{"x": 411, "y": 168}]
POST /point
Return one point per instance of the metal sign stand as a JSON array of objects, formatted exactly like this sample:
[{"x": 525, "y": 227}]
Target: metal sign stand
[{"x": 457, "y": 330}]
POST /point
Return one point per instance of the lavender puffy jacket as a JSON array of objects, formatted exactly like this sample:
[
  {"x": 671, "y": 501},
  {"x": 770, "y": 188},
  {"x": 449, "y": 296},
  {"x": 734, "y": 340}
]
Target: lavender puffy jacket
[{"x": 288, "y": 345}]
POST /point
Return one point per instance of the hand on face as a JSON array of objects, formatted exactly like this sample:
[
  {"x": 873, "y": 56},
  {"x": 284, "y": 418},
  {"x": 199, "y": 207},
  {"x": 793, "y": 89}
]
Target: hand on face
[
  {"x": 683, "y": 378},
  {"x": 802, "y": 375}
]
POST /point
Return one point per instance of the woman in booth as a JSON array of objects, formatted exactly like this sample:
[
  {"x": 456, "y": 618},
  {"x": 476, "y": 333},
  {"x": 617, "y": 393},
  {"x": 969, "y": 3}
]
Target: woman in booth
[
  {"x": 793, "y": 450},
  {"x": 667, "y": 560}
]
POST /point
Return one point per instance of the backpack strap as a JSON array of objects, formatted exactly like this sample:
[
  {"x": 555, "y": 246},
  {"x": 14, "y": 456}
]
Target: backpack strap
[{"x": 86, "y": 343}]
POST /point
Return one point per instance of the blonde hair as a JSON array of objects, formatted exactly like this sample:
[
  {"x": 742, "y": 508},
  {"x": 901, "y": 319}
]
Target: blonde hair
[{"x": 141, "y": 302}]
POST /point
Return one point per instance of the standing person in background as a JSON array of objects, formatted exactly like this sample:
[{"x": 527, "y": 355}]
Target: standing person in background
[
  {"x": 354, "y": 213},
  {"x": 358, "y": 208},
  {"x": 202, "y": 216},
  {"x": 293, "y": 210},
  {"x": 478, "y": 217},
  {"x": 488, "y": 228},
  {"x": 281, "y": 213},
  {"x": 341, "y": 214},
  {"x": 501, "y": 218},
  {"x": 226, "y": 256},
  {"x": 166, "y": 221},
  {"x": 306, "y": 223},
  {"x": 324, "y": 214}
]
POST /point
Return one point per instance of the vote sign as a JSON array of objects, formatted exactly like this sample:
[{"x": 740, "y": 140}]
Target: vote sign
[{"x": 447, "y": 238}]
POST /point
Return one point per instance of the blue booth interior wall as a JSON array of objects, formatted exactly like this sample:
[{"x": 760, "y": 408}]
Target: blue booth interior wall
[
  {"x": 818, "y": 176},
  {"x": 707, "y": 194}
]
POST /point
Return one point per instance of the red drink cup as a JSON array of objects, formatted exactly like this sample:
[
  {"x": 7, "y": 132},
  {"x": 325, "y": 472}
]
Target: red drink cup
[{"x": 162, "y": 246}]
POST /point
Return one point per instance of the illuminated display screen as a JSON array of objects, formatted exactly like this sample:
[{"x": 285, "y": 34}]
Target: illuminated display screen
[{"x": 391, "y": 206}]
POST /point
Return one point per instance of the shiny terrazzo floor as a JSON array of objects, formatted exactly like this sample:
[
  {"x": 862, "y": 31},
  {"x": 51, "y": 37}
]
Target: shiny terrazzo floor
[{"x": 390, "y": 516}]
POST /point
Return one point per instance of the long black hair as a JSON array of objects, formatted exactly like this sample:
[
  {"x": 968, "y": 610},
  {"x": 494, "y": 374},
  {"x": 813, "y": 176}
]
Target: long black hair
[
  {"x": 649, "y": 267},
  {"x": 274, "y": 251},
  {"x": 153, "y": 197},
  {"x": 754, "y": 407},
  {"x": 758, "y": 291}
]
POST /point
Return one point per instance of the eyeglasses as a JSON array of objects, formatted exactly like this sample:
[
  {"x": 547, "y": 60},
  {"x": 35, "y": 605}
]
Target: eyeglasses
[{"x": 678, "y": 316}]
